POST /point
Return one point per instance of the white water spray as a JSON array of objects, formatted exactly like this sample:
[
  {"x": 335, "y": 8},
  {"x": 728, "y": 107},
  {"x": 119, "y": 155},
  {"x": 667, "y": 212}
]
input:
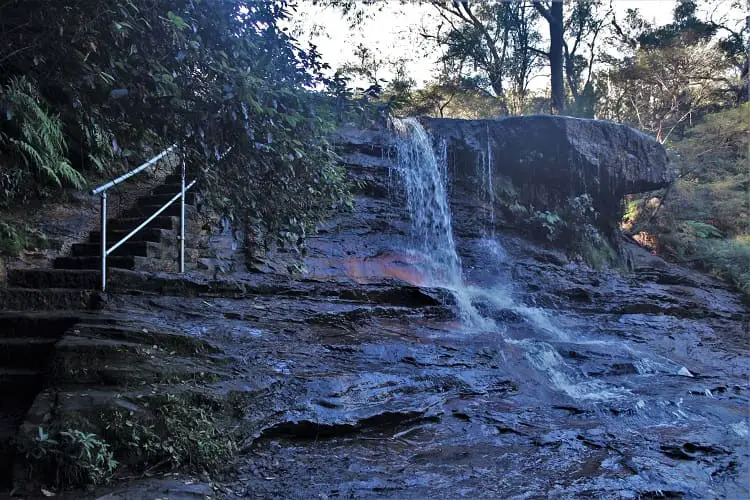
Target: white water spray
[
  {"x": 425, "y": 178},
  {"x": 427, "y": 197}
]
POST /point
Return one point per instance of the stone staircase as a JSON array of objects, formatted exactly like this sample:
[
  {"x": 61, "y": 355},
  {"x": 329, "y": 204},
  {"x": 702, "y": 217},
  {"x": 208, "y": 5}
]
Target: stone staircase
[
  {"x": 27, "y": 342},
  {"x": 38, "y": 306},
  {"x": 155, "y": 248}
]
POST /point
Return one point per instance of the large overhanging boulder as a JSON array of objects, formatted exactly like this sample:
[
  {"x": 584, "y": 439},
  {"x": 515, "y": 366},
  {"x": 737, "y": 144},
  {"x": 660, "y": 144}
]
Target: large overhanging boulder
[{"x": 552, "y": 159}]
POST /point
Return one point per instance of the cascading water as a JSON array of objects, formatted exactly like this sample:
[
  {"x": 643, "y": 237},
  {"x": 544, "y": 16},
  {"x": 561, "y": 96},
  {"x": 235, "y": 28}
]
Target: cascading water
[
  {"x": 425, "y": 178},
  {"x": 427, "y": 198},
  {"x": 490, "y": 184}
]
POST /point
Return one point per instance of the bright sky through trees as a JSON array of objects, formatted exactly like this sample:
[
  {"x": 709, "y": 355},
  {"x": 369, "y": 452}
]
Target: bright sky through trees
[{"x": 393, "y": 33}]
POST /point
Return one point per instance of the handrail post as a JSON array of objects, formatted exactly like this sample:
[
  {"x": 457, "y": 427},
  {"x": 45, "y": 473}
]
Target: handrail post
[
  {"x": 104, "y": 239},
  {"x": 182, "y": 214}
]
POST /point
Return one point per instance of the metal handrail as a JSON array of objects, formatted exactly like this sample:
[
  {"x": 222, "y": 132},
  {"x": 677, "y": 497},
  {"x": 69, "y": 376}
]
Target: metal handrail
[
  {"x": 102, "y": 192},
  {"x": 136, "y": 170}
]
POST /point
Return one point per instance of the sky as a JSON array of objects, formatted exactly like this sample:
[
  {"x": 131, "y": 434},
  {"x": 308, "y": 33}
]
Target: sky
[{"x": 394, "y": 32}]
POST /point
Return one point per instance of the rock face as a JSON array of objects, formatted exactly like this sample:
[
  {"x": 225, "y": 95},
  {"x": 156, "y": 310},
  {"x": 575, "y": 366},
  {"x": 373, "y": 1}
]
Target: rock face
[
  {"x": 551, "y": 159},
  {"x": 357, "y": 380}
]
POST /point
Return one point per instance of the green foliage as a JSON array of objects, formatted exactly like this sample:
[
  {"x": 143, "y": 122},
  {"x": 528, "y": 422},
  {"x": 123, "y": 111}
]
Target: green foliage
[
  {"x": 550, "y": 224},
  {"x": 716, "y": 149},
  {"x": 210, "y": 76},
  {"x": 701, "y": 229},
  {"x": 585, "y": 239},
  {"x": 180, "y": 434},
  {"x": 595, "y": 249},
  {"x": 704, "y": 218},
  {"x": 12, "y": 241},
  {"x": 665, "y": 78},
  {"x": 33, "y": 143},
  {"x": 729, "y": 259},
  {"x": 72, "y": 457},
  {"x": 15, "y": 238}
]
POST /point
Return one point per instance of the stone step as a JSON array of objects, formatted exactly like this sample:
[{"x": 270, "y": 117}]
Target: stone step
[
  {"x": 94, "y": 262},
  {"x": 8, "y": 428},
  {"x": 26, "y": 352},
  {"x": 48, "y": 299},
  {"x": 146, "y": 210},
  {"x": 165, "y": 250},
  {"x": 170, "y": 188},
  {"x": 162, "y": 198},
  {"x": 176, "y": 177},
  {"x": 18, "y": 388},
  {"x": 154, "y": 234},
  {"x": 18, "y": 383},
  {"x": 130, "y": 262},
  {"x": 55, "y": 278},
  {"x": 130, "y": 223},
  {"x": 48, "y": 324},
  {"x": 89, "y": 279},
  {"x": 82, "y": 361},
  {"x": 172, "y": 342}
]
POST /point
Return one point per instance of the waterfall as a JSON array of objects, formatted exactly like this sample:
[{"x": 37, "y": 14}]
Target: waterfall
[
  {"x": 427, "y": 197},
  {"x": 425, "y": 177},
  {"x": 490, "y": 185}
]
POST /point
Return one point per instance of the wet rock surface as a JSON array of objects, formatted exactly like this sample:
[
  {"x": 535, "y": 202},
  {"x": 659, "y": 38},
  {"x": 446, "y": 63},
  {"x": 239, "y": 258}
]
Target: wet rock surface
[
  {"x": 359, "y": 380},
  {"x": 355, "y": 397},
  {"x": 552, "y": 158}
]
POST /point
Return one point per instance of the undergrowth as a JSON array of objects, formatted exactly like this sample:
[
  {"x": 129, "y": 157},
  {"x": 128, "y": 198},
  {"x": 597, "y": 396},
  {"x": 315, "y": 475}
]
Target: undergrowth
[
  {"x": 68, "y": 457},
  {"x": 179, "y": 433},
  {"x": 165, "y": 433},
  {"x": 703, "y": 219},
  {"x": 14, "y": 238},
  {"x": 33, "y": 150}
]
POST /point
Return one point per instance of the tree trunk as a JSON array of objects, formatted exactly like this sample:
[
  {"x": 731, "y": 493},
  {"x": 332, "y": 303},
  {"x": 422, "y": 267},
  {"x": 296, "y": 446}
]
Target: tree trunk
[
  {"x": 556, "y": 56},
  {"x": 497, "y": 86}
]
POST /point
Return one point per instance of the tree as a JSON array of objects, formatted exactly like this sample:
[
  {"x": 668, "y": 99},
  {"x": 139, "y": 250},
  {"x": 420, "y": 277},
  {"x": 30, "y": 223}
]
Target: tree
[
  {"x": 572, "y": 31},
  {"x": 669, "y": 76},
  {"x": 553, "y": 14},
  {"x": 494, "y": 39},
  {"x": 208, "y": 75},
  {"x": 366, "y": 66},
  {"x": 501, "y": 40}
]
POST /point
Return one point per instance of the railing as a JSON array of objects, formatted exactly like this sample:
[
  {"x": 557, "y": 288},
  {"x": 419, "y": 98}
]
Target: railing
[{"x": 102, "y": 192}]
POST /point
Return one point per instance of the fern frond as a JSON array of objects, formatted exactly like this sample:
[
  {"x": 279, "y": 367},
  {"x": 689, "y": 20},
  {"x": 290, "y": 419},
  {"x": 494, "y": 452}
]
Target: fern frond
[{"x": 39, "y": 139}]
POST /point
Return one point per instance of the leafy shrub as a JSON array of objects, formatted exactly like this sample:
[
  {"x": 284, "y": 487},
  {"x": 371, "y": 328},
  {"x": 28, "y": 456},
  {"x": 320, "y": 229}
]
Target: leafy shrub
[
  {"x": 33, "y": 143},
  {"x": 701, "y": 229},
  {"x": 12, "y": 241},
  {"x": 72, "y": 457},
  {"x": 180, "y": 433},
  {"x": 729, "y": 259},
  {"x": 704, "y": 217},
  {"x": 547, "y": 223},
  {"x": 209, "y": 76},
  {"x": 15, "y": 238}
]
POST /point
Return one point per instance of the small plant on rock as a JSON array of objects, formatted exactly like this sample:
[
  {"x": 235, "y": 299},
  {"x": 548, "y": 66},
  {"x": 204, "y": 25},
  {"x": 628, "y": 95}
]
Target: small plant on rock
[
  {"x": 180, "y": 433},
  {"x": 72, "y": 457},
  {"x": 549, "y": 224}
]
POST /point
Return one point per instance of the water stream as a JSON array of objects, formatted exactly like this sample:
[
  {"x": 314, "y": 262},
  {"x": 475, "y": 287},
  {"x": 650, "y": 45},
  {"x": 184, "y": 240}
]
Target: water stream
[{"x": 424, "y": 176}]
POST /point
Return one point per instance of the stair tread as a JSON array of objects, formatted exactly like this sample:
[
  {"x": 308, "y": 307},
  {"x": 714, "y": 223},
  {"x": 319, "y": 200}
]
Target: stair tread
[
  {"x": 13, "y": 341},
  {"x": 129, "y": 248},
  {"x": 33, "y": 315},
  {"x": 138, "y": 220},
  {"x": 94, "y": 262},
  {"x": 155, "y": 234},
  {"x": 18, "y": 372},
  {"x": 42, "y": 290}
]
